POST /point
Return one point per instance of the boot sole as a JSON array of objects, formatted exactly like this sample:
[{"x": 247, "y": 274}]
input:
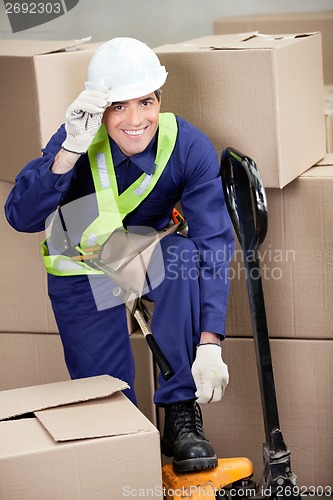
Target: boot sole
[{"x": 195, "y": 464}]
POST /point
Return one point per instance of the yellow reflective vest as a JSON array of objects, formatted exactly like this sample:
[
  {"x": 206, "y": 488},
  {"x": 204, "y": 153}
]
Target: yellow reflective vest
[{"x": 112, "y": 207}]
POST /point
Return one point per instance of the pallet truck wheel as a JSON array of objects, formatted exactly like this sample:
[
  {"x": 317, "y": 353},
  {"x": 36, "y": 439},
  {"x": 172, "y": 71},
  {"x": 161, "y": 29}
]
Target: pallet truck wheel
[
  {"x": 221, "y": 495},
  {"x": 243, "y": 490}
]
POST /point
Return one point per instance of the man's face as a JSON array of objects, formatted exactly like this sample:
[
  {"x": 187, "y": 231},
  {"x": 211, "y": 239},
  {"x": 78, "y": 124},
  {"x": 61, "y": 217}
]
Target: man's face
[{"x": 133, "y": 123}]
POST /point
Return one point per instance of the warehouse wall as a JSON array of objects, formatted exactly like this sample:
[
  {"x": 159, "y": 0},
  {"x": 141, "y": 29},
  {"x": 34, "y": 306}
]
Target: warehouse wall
[{"x": 154, "y": 21}]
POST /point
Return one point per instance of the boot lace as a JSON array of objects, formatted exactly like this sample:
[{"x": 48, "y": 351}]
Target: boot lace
[{"x": 188, "y": 418}]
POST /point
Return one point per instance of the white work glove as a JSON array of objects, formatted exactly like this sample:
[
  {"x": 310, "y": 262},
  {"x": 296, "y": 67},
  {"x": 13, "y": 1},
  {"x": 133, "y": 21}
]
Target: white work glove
[
  {"x": 83, "y": 119},
  {"x": 210, "y": 373}
]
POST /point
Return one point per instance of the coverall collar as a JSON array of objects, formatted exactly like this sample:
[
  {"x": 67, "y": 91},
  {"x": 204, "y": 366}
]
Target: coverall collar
[{"x": 145, "y": 160}]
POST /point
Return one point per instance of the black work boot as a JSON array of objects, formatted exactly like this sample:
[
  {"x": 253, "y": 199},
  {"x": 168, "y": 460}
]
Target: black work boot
[{"x": 184, "y": 438}]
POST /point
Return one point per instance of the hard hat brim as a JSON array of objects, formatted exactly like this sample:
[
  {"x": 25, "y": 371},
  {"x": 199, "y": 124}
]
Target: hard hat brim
[{"x": 128, "y": 92}]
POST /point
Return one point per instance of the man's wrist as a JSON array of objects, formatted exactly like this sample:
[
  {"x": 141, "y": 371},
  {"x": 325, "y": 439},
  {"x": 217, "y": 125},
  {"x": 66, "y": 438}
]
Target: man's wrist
[
  {"x": 210, "y": 338},
  {"x": 64, "y": 161}
]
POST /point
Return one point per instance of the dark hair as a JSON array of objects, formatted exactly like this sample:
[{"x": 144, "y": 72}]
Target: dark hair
[{"x": 158, "y": 94}]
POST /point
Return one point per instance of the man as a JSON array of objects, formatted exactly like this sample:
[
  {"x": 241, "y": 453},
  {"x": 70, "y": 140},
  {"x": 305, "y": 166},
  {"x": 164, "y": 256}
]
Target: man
[{"x": 117, "y": 150}]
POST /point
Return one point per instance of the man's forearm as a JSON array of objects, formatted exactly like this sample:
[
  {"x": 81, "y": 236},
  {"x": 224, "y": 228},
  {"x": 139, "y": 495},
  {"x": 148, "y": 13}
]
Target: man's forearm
[{"x": 64, "y": 161}]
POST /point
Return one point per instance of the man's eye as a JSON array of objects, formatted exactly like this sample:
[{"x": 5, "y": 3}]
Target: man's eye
[
  {"x": 146, "y": 103},
  {"x": 119, "y": 108}
]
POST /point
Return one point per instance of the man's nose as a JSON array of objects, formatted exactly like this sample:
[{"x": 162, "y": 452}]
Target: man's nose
[{"x": 134, "y": 117}]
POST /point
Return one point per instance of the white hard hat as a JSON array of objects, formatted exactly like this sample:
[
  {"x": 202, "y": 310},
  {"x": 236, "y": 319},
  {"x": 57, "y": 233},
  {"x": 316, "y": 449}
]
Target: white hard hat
[{"x": 128, "y": 67}]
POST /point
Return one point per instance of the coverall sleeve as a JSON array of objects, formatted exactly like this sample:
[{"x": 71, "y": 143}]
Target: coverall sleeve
[
  {"x": 38, "y": 191},
  {"x": 211, "y": 230}
]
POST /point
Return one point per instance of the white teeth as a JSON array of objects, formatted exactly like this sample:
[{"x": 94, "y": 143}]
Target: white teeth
[{"x": 134, "y": 132}]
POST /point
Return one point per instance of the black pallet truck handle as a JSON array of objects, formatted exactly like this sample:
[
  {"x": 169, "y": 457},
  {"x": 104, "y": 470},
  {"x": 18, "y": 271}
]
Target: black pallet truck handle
[
  {"x": 239, "y": 173},
  {"x": 247, "y": 206}
]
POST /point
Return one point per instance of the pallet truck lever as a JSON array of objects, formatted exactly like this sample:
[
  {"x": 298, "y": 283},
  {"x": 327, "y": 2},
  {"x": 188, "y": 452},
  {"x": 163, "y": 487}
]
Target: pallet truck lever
[{"x": 246, "y": 202}]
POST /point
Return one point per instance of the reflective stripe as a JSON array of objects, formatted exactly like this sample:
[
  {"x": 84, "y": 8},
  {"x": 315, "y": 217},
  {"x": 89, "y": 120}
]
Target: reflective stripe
[
  {"x": 92, "y": 239},
  {"x": 144, "y": 184},
  {"x": 103, "y": 170}
]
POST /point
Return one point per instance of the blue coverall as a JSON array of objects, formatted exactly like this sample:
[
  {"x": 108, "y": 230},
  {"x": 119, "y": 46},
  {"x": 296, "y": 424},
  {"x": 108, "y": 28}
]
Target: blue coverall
[{"x": 193, "y": 295}]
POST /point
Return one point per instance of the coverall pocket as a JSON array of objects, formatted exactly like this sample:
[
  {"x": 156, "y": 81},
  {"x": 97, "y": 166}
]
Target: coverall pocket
[
  {"x": 152, "y": 210},
  {"x": 62, "y": 287}
]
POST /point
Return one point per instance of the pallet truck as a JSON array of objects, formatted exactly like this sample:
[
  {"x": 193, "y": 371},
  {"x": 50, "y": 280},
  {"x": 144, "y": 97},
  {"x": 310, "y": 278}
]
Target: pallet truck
[{"x": 247, "y": 206}]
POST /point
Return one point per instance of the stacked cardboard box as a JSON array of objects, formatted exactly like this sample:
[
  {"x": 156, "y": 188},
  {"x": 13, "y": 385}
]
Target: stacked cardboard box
[
  {"x": 288, "y": 22},
  {"x": 31, "y": 352},
  {"x": 247, "y": 92}
]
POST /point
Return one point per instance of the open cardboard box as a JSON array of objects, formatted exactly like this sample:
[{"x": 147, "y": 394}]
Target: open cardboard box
[{"x": 78, "y": 439}]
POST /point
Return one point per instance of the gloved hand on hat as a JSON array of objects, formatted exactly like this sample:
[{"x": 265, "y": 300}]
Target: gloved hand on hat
[
  {"x": 210, "y": 373},
  {"x": 83, "y": 119}
]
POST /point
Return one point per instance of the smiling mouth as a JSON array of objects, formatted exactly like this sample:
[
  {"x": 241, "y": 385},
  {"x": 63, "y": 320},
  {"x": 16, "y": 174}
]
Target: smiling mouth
[{"x": 135, "y": 133}]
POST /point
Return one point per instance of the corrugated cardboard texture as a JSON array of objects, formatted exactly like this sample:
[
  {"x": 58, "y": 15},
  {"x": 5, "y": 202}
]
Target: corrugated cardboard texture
[
  {"x": 247, "y": 92},
  {"x": 303, "y": 379},
  {"x": 289, "y": 22},
  {"x": 50, "y": 82},
  {"x": 296, "y": 262}
]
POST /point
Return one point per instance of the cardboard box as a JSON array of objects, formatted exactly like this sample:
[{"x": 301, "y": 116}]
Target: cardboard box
[
  {"x": 247, "y": 92},
  {"x": 296, "y": 261},
  {"x": 285, "y": 22},
  {"x": 39, "y": 80},
  {"x": 304, "y": 391},
  {"x": 24, "y": 308},
  {"x": 328, "y": 104},
  {"x": 83, "y": 440}
]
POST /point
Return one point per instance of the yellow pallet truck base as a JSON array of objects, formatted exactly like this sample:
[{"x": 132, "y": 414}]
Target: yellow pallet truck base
[{"x": 205, "y": 484}]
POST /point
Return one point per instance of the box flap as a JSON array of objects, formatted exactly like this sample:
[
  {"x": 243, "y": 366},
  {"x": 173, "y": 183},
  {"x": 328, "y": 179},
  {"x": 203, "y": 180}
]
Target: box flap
[
  {"x": 322, "y": 169},
  {"x": 113, "y": 416},
  {"x": 240, "y": 41},
  {"x": 15, "y": 402},
  {"x": 29, "y": 48},
  {"x": 326, "y": 161}
]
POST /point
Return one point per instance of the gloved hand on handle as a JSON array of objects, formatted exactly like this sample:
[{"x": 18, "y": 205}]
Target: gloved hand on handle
[
  {"x": 210, "y": 373},
  {"x": 83, "y": 119}
]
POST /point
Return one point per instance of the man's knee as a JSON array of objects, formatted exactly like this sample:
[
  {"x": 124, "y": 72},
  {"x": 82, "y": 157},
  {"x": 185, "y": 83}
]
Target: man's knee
[{"x": 180, "y": 250}]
